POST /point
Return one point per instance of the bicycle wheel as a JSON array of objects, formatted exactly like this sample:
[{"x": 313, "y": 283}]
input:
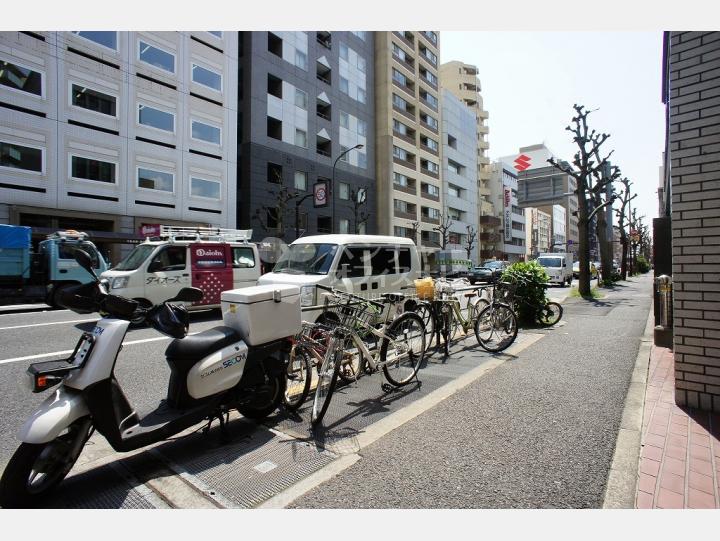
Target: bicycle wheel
[
  {"x": 550, "y": 314},
  {"x": 350, "y": 365},
  {"x": 327, "y": 379},
  {"x": 424, "y": 311},
  {"x": 298, "y": 377},
  {"x": 402, "y": 352},
  {"x": 496, "y": 327}
]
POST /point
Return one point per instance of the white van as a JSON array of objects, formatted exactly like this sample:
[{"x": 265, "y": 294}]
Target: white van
[
  {"x": 213, "y": 260},
  {"x": 366, "y": 265},
  {"x": 559, "y": 267}
]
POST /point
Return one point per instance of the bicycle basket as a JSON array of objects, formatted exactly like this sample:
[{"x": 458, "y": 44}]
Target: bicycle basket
[
  {"x": 425, "y": 289},
  {"x": 504, "y": 292},
  {"x": 351, "y": 314}
]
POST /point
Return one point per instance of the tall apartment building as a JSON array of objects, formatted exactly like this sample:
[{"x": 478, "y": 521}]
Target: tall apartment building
[
  {"x": 504, "y": 190},
  {"x": 459, "y": 172},
  {"x": 306, "y": 102},
  {"x": 109, "y": 131},
  {"x": 409, "y": 153},
  {"x": 462, "y": 80}
]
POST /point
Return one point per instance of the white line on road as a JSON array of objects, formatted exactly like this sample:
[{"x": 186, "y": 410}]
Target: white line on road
[
  {"x": 68, "y": 351},
  {"x": 51, "y": 323}
]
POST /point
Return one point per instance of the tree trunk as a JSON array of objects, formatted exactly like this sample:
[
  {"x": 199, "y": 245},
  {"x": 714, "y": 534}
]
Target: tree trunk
[
  {"x": 604, "y": 245},
  {"x": 624, "y": 243}
]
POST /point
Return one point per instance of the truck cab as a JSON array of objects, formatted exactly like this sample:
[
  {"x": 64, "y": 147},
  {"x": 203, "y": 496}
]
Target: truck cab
[{"x": 211, "y": 259}]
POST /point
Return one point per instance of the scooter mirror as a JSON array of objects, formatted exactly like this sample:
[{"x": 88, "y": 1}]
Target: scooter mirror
[
  {"x": 188, "y": 294},
  {"x": 85, "y": 261}
]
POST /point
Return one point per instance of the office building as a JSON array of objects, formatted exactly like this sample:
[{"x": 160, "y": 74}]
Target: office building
[{"x": 504, "y": 193}]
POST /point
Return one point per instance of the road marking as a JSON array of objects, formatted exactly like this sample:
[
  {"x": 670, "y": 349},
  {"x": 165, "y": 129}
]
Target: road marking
[
  {"x": 51, "y": 323},
  {"x": 68, "y": 351}
]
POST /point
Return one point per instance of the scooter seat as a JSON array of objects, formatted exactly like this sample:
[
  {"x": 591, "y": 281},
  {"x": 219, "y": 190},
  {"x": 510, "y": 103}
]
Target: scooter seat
[{"x": 197, "y": 346}]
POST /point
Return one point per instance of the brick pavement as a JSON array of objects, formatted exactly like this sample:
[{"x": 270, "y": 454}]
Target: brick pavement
[{"x": 680, "y": 454}]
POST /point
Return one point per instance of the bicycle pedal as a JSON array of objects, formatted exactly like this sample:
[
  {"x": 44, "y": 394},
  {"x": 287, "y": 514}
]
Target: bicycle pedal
[{"x": 387, "y": 388}]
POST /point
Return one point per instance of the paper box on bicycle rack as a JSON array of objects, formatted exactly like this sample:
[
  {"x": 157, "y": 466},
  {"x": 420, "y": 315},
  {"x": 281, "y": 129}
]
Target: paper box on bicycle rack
[{"x": 262, "y": 314}]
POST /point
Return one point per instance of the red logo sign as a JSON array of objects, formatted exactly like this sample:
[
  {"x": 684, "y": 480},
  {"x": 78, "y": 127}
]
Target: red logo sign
[
  {"x": 149, "y": 230},
  {"x": 522, "y": 162}
]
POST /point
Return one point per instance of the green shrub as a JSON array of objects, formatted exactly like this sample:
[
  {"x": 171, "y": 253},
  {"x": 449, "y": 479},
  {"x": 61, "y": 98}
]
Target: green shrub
[
  {"x": 530, "y": 278},
  {"x": 642, "y": 264}
]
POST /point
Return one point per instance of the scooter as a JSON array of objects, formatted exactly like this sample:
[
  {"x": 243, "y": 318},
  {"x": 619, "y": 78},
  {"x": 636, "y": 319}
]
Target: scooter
[{"x": 212, "y": 372}]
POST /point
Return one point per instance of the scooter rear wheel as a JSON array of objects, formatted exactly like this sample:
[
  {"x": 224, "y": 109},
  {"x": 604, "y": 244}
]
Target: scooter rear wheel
[
  {"x": 36, "y": 469},
  {"x": 267, "y": 398}
]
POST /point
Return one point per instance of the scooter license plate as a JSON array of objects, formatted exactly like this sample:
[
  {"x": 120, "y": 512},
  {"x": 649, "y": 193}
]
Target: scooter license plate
[{"x": 82, "y": 349}]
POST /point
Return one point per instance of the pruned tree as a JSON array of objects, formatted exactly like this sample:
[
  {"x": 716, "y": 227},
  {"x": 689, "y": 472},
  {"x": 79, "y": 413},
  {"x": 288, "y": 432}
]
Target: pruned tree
[
  {"x": 272, "y": 218},
  {"x": 470, "y": 239},
  {"x": 415, "y": 227},
  {"x": 625, "y": 199},
  {"x": 444, "y": 229},
  {"x": 589, "y": 171},
  {"x": 603, "y": 195},
  {"x": 358, "y": 200}
]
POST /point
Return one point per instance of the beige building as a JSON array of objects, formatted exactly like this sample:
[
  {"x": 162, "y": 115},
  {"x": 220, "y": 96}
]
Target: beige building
[
  {"x": 538, "y": 232},
  {"x": 408, "y": 146},
  {"x": 462, "y": 80}
]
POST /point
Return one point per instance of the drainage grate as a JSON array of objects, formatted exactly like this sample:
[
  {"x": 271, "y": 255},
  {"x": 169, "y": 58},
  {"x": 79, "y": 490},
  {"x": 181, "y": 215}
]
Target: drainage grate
[
  {"x": 101, "y": 488},
  {"x": 254, "y": 466}
]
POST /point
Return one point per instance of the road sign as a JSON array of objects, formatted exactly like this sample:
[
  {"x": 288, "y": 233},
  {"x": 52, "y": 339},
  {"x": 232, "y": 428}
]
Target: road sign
[{"x": 320, "y": 193}]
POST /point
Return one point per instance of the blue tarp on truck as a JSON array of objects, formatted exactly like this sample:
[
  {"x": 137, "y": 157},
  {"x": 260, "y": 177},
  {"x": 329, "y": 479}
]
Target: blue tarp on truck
[{"x": 14, "y": 251}]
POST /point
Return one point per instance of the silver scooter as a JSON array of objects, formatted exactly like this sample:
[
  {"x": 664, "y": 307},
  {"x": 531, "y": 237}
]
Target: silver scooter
[{"x": 212, "y": 372}]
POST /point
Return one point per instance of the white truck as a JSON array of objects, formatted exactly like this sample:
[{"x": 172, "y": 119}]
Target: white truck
[
  {"x": 453, "y": 263},
  {"x": 559, "y": 267}
]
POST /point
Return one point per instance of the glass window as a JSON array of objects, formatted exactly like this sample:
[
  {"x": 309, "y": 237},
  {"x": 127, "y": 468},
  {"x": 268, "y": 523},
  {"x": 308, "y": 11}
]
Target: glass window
[
  {"x": 206, "y": 77},
  {"x": 404, "y": 264},
  {"x": 243, "y": 257},
  {"x": 344, "y": 51},
  {"x": 344, "y": 85},
  {"x": 106, "y": 39},
  {"x": 362, "y": 159},
  {"x": 361, "y": 63},
  {"x": 361, "y": 96},
  {"x": 215, "y": 33},
  {"x": 361, "y": 127},
  {"x": 93, "y": 100},
  {"x": 155, "y": 56},
  {"x": 20, "y": 78},
  {"x": 399, "y": 77},
  {"x": 400, "y": 180},
  {"x": 170, "y": 258},
  {"x": 344, "y": 191},
  {"x": 155, "y": 118},
  {"x": 206, "y": 132},
  {"x": 344, "y": 119},
  {"x": 344, "y": 226},
  {"x": 90, "y": 169},
  {"x": 301, "y": 99},
  {"x": 400, "y": 153},
  {"x": 399, "y": 102},
  {"x": 301, "y": 60},
  {"x": 155, "y": 180},
  {"x": 382, "y": 261},
  {"x": 306, "y": 258},
  {"x": 300, "y": 180},
  {"x": 300, "y": 138},
  {"x": 352, "y": 263},
  {"x": 21, "y": 157},
  {"x": 201, "y": 187},
  {"x": 453, "y": 190},
  {"x": 359, "y": 33}
]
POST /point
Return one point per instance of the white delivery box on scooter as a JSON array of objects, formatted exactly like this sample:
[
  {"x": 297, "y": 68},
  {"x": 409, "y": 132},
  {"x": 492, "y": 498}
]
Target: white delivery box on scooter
[{"x": 262, "y": 314}]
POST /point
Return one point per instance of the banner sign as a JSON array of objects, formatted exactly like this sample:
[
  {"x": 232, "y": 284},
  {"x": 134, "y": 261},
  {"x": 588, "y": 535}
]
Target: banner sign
[
  {"x": 507, "y": 206},
  {"x": 320, "y": 194},
  {"x": 149, "y": 230}
]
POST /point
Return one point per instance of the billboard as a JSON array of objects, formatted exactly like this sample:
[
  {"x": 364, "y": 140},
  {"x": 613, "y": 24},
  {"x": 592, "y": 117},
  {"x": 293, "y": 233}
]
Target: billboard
[{"x": 507, "y": 212}]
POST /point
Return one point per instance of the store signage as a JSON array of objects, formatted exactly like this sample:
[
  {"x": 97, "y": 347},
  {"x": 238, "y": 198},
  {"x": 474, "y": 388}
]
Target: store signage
[{"x": 507, "y": 205}]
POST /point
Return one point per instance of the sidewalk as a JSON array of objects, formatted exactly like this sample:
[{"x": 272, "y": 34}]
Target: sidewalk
[{"x": 680, "y": 454}]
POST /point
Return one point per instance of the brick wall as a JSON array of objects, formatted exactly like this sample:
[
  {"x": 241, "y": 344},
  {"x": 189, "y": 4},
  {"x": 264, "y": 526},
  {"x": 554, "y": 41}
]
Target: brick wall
[{"x": 694, "y": 145}]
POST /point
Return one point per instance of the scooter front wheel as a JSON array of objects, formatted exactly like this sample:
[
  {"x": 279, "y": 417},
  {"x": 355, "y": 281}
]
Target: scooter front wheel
[{"x": 36, "y": 469}]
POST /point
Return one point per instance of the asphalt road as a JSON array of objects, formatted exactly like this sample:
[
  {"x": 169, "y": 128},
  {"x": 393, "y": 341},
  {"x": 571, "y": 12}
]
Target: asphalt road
[{"x": 537, "y": 432}]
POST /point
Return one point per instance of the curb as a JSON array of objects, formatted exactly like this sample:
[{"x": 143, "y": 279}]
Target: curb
[{"x": 621, "y": 486}]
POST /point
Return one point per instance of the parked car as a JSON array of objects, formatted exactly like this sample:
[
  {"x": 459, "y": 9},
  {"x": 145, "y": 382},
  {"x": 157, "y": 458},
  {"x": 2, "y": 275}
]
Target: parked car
[
  {"x": 481, "y": 274},
  {"x": 576, "y": 270},
  {"x": 495, "y": 268}
]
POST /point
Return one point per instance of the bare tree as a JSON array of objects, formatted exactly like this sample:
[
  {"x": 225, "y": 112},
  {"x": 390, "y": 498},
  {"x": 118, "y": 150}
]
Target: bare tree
[
  {"x": 470, "y": 240},
  {"x": 415, "y": 226},
  {"x": 621, "y": 214},
  {"x": 588, "y": 172},
  {"x": 444, "y": 229},
  {"x": 358, "y": 201},
  {"x": 602, "y": 195},
  {"x": 272, "y": 218}
]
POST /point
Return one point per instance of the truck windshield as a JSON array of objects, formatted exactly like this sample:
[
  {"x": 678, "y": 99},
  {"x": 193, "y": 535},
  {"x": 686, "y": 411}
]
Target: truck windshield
[
  {"x": 550, "y": 262},
  {"x": 307, "y": 259},
  {"x": 136, "y": 257}
]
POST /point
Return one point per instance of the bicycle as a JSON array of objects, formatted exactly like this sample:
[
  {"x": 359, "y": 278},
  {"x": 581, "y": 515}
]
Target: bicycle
[
  {"x": 548, "y": 315},
  {"x": 444, "y": 315},
  {"x": 401, "y": 351},
  {"x": 496, "y": 326}
]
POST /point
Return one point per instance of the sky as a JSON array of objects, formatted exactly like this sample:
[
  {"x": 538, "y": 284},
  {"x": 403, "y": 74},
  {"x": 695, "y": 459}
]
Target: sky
[{"x": 530, "y": 81}]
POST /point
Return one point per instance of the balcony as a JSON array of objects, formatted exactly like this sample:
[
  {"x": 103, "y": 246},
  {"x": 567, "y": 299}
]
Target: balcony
[
  {"x": 405, "y": 88},
  {"x": 406, "y": 37},
  {"x": 429, "y": 196},
  {"x": 492, "y": 221},
  {"x": 404, "y": 112},
  {"x": 428, "y": 220},
  {"x": 429, "y": 173},
  {"x": 324, "y": 38},
  {"x": 409, "y": 137},
  {"x": 405, "y": 215},
  {"x": 489, "y": 237},
  {"x": 409, "y": 189},
  {"x": 405, "y": 163}
]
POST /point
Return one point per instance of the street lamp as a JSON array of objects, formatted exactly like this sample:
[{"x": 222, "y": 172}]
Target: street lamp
[{"x": 332, "y": 189}]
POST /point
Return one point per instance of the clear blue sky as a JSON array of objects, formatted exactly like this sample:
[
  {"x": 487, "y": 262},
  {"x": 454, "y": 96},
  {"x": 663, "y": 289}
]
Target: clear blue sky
[{"x": 530, "y": 81}]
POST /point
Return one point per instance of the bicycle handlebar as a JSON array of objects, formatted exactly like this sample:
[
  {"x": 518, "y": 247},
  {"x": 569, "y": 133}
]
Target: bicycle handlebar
[{"x": 340, "y": 293}]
